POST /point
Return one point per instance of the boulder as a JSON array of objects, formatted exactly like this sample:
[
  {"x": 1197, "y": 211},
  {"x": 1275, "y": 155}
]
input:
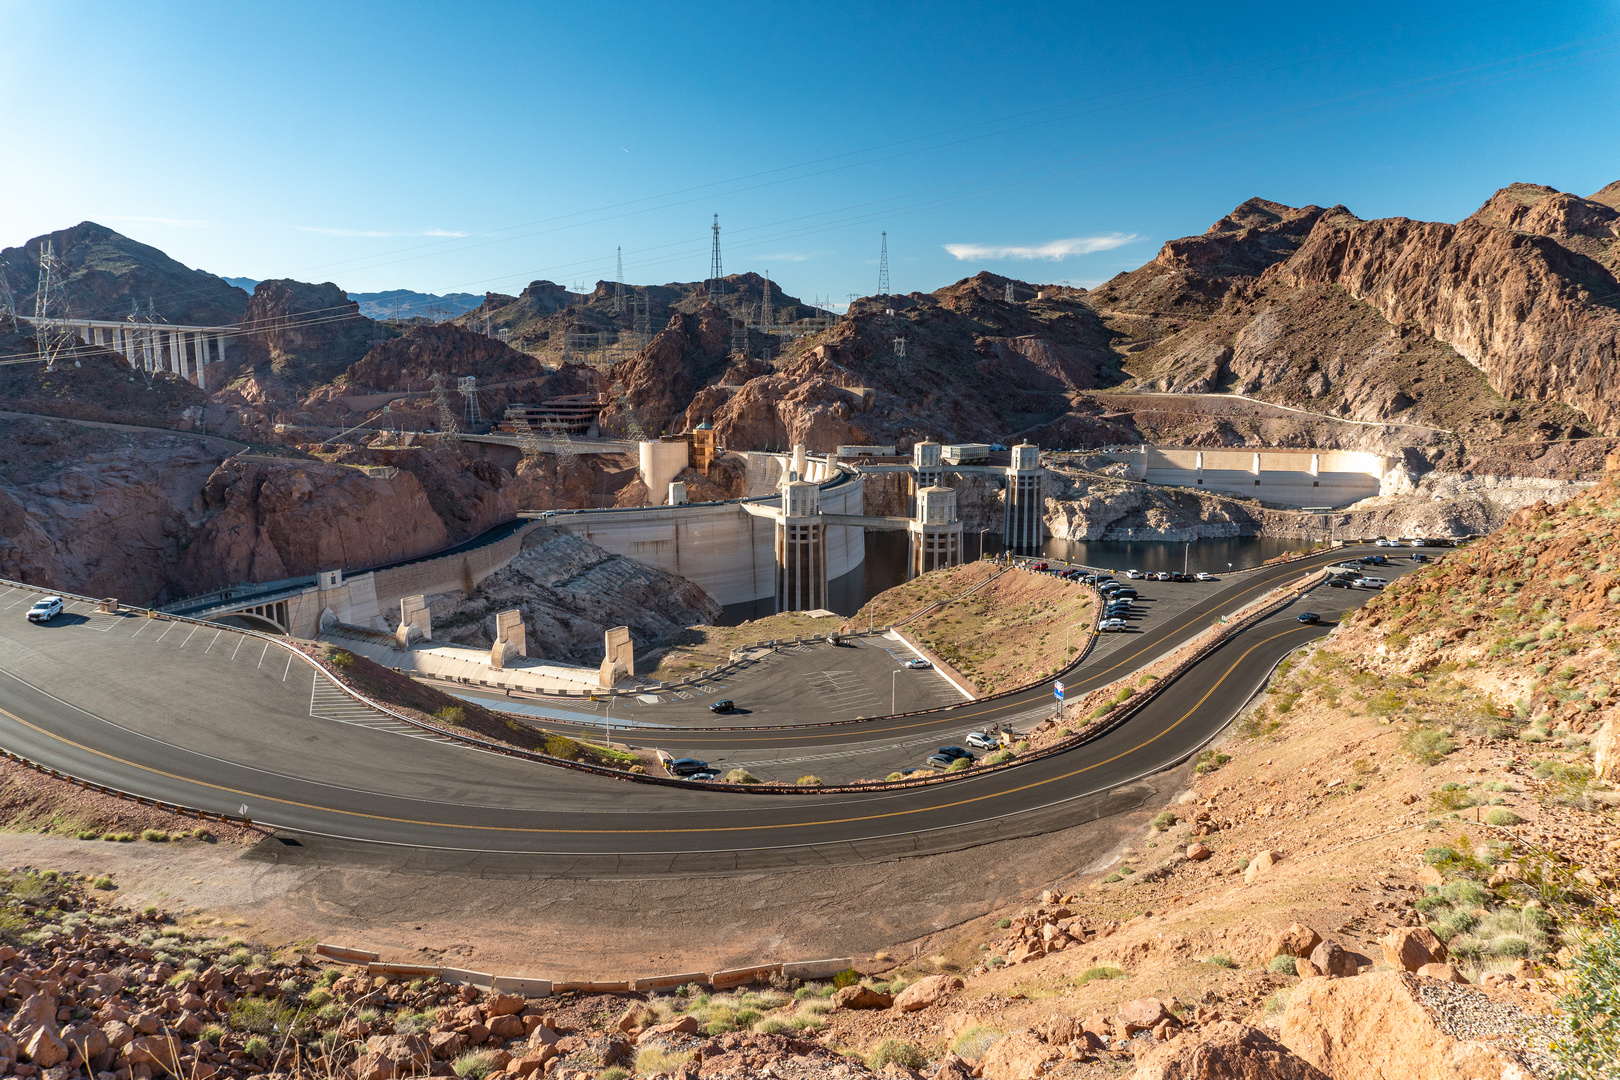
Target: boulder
[
  {"x": 86, "y": 1040},
  {"x": 503, "y": 1005},
  {"x": 506, "y": 1027},
  {"x": 1224, "y": 1051},
  {"x": 158, "y": 1051},
  {"x": 1060, "y": 1029},
  {"x": 636, "y": 1017},
  {"x": 861, "y": 996},
  {"x": 952, "y": 1067},
  {"x": 373, "y": 1067},
  {"x": 447, "y": 1044},
  {"x": 1307, "y": 970},
  {"x": 1331, "y": 958},
  {"x": 1408, "y": 948},
  {"x": 530, "y": 1063},
  {"x": 118, "y": 1034},
  {"x": 1018, "y": 1056},
  {"x": 1298, "y": 940},
  {"x": 925, "y": 992},
  {"x": 409, "y": 1052},
  {"x": 1197, "y": 852},
  {"x": 1443, "y": 972},
  {"x": 686, "y": 1025},
  {"x": 1143, "y": 1014},
  {"x": 44, "y": 1047},
  {"x": 1260, "y": 864},
  {"x": 1374, "y": 1027}
]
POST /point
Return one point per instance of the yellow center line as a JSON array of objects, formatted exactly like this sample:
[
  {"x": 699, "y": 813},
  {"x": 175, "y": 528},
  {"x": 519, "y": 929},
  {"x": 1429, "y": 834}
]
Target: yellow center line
[
  {"x": 717, "y": 739},
  {"x": 658, "y": 832}
]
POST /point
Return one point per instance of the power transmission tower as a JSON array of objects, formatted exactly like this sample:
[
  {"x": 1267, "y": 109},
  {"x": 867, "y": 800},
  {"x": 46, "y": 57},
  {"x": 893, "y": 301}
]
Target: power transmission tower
[
  {"x": 883, "y": 267},
  {"x": 631, "y": 424},
  {"x": 618, "y": 285},
  {"x": 51, "y": 329},
  {"x": 449, "y": 424},
  {"x": 468, "y": 385},
  {"x": 1009, "y": 292},
  {"x": 739, "y": 336},
  {"x": 767, "y": 317},
  {"x": 643, "y": 317},
  {"x": 900, "y": 349},
  {"x": 717, "y": 281},
  {"x": 8, "y": 303}
]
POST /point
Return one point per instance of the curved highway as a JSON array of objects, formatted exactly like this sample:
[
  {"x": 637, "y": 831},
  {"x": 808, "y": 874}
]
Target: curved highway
[{"x": 220, "y": 720}]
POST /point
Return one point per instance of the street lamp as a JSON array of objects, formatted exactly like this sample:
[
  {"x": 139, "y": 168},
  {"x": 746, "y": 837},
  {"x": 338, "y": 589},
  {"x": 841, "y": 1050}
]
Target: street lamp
[
  {"x": 1066, "y": 630},
  {"x": 981, "y": 540},
  {"x": 892, "y": 678}
]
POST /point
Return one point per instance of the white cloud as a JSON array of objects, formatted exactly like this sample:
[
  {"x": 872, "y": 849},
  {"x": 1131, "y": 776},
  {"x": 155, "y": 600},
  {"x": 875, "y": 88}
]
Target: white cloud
[
  {"x": 1053, "y": 250},
  {"x": 369, "y": 234},
  {"x": 791, "y": 256}
]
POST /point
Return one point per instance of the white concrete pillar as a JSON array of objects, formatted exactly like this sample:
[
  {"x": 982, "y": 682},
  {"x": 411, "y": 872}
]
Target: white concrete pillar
[
  {"x": 219, "y": 340},
  {"x": 1256, "y": 467},
  {"x": 1198, "y": 462},
  {"x": 201, "y": 340},
  {"x": 174, "y": 363}
]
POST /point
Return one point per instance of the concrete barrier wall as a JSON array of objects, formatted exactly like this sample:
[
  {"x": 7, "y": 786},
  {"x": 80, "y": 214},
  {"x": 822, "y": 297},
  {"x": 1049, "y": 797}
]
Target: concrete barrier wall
[
  {"x": 446, "y": 573},
  {"x": 1285, "y": 477}
]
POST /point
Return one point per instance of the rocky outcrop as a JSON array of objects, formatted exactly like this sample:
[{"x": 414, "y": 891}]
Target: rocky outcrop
[
  {"x": 261, "y": 521},
  {"x": 107, "y": 272},
  {"x": 410, "y": 362},
  {"x": 803, "y": 403},
  {"x": 1377, "y": 1027},
  {"x": 570, "y": 591},
  {"x": 659, "y": 381},
  {"x": 1532, "y": 314},
  {"x": 306, "y": 334},
  {"x": 1225, "y": 1051}
]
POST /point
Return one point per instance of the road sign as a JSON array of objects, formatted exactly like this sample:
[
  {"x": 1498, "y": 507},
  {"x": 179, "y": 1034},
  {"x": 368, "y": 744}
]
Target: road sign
[{"x": 1057, "y": 690}]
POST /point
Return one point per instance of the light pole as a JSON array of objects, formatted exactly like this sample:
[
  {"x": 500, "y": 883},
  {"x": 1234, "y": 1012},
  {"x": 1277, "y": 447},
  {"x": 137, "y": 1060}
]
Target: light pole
[
  {"x": 1066, "y": 630},
  {"x": 981, "y": 541},
  {"x": 1186, "y": 558},
  {"x": 892, "y": 678},
  {"x": 607, "y": 722}
]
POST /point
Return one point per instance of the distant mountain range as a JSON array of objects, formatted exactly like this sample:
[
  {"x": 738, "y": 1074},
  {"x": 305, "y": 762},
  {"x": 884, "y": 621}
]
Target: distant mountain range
[{"x": 400, "y": 303}]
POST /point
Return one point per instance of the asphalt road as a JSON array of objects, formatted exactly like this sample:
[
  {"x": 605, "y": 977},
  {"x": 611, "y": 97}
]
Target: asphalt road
[{"x": 218, "y": 719}]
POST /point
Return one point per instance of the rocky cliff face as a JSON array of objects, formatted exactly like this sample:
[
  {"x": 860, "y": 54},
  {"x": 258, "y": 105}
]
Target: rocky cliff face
[
  {"x": 659, "y": 381},
  {"x": 97, "y": 384},
  {"x": 570, "y": 591},
  {"x": 305, "y": 334},
  {"x": 410, "y": 362},
  {"x": 107, "y": 272}
]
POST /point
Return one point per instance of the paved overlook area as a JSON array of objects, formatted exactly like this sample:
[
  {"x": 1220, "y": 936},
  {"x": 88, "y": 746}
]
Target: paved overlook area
[{"x": 217, "y": 719}]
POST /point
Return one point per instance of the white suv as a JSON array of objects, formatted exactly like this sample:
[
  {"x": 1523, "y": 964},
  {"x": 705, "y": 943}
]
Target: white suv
[{"x": 46, "y": 610}]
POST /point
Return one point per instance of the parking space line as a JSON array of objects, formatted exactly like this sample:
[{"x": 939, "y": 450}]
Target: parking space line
[
  {"x": 165, "y": 633},
  {"x": 144, "y": 624},
  {"x": 284, "y": 674},
  {"x": 239, "y": 639},
  {"x": 262, "y": 655},
  {"x": 216, "y": 638},
  {"x": 189, "y": 636}
]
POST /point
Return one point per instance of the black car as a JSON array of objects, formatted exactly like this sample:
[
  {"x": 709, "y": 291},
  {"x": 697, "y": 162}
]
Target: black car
[
  {"x": 1374, "y": 560},
  {"x": 1177, "y": 575},
  {"x": 1341, "y": 583},
  {"x": 686, "y": 766},
  {"x": 723, "y": 705},
  {"x": 1309, "y": 617},
  {"x": 954, "y": 752}
]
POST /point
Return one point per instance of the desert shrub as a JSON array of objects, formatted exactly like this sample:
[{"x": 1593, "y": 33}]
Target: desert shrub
[
  {"x": 1000, "y": 757},
  {"x": 740, "y": 776},
  {"x": 1591, "y": 1049},
  {"x": 212, "y": 1033},
  {"x": 1096, "y": 973},
  {"x": 1221, "y": 960},
  {"x": 809, "y": 781},
  {"x": 257, "y": 1047},
  {"x": 1450, "y": 797},
  {"x": 103, "y": 882},
  {"x": 976, "y": 1041},
  {"x": 473, "y": 1065},
  {"x": 613, "y": 1073},
  {"x": 656, "y": 1059},
  {"x": 771, "y": 1025},
  {"x": 1111, "y": 878},
  {"x": 961, "y": 764},
  {"x": 1003, "y": 923},
  {"x": 898, "y": 1051},
  {"x": 156, "y": 836},
  {"x": 341, "y": 659},
  {"x": 1426, "y": 745},
  {"x": 89, "y": 834},
  {"x": 847, "y": 977},
  {"x": 1164, "y": 820},
  {"x": 1284, "y": 965},
  {"x": 1502, "y": 817},
  {"x": 892, "y": 777},
  {"x": 1209, "y": 761},
  {"x": 260, "y": 1016},
  {"x": 454, "y": 715}
]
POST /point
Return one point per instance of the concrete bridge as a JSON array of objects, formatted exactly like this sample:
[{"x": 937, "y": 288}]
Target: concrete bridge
[{"x": 183, "y": 350}]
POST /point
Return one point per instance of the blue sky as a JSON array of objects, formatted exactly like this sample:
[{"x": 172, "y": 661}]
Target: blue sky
[{"x": 466, "y": 148}]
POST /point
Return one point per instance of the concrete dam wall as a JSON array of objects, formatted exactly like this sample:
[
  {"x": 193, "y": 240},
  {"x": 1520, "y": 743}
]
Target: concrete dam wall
[{"x": 1282, "y": 477}]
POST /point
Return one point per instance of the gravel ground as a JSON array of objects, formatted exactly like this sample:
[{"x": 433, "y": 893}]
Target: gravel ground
[{"x": 1466, "y": 1013}]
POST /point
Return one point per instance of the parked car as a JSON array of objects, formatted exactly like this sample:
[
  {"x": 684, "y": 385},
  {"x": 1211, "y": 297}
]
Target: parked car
[
  {"x": 1352, "y": 564},
  {"x": 45, "y": 610},
  {"x": 724, "y": 705},
  {"x": 1420, "y": 557},
  {"x": 981, "y": 740},
  {"x": 1417, "y": 543},
  {"x": 1133, "y": 574},
  {"x": 1374, "y": 560},
  {"x": 704, "y": 776},
  {"x": 1382, "y": 542},
  {"x": 918, "y": 664},
  {"x": 1038, "y": 566},
  {"x": 1162, "y": 575},
  {"x": 939, "y": 761},
  {"x": 1125, "y": 594},
  {"x": 687, "y": 766},
  {"x": 1309, "y": 617},
  {"x": 954, "y": 752},
  {"x": 1201, "y": 576},
  {"x": 1110, "y": 626},
  {"x": 1371, "y": 582},
  {"x": 1341, "y": 582}
]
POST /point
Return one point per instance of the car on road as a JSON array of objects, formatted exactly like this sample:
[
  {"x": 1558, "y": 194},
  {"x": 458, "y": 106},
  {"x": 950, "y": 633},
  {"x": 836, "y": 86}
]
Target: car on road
[
  {"x": 1133, "y": 574},
  {"x": 45, "y": 610},
  {"x": 1113, "y": 626},
  {"x": 981, "y": 740},
  {"x": 687, "y": 766},
  {"x": 1201, "y": 576},
  {"x": 1374, "y": 560},
  {"x": 1420, "y": 557},
  {"x": 1177, "y": 575},
  {"x": 1309, "y": 617},
  {"x": 1381, "y": 542},
  {"x": 1370, "y": 582},
  {"x": 724, "y": 705},
  {"x": 918, "y": 664}
]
